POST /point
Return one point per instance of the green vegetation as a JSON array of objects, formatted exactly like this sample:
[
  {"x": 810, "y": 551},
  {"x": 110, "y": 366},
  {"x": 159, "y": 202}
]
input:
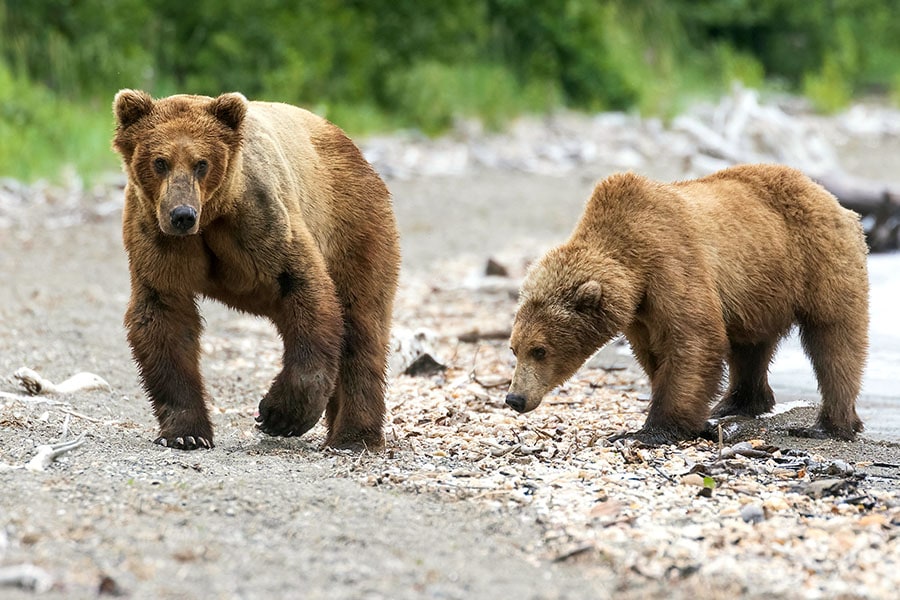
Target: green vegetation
[{"x": 373, "y": 65}]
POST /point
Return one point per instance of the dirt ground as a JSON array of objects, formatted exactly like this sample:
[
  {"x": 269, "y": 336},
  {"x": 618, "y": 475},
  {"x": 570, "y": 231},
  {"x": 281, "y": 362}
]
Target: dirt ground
[{"x": 257, "y": 516}]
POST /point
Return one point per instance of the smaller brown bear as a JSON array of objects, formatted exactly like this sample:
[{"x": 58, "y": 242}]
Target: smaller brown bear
[
  {"x": 697, "y": 273},
  {"x": 271, "y": 210}
]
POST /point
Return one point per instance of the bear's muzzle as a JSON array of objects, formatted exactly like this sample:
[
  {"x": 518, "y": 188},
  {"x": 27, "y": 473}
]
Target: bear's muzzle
[
  {"x": 183, "y": 218},
  {"x": 516, "y": 402}
]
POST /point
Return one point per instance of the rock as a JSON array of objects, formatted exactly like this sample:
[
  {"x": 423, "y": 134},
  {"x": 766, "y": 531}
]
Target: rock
[
  {"x": 692, "y": 479},
  {"x": 494, "y": 268},
  {"x": 839, "y": 468},
  {"x": 826, "y": 487},
  {"x": 752, "y": 513},
  {"x": 776, "y": 504},
  {"x": 424, "y": 365},
  {"x": 409, "y": 346}
]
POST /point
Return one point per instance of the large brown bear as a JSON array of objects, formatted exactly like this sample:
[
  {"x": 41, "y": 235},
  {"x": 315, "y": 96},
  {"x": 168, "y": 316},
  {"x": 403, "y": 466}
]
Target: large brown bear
[
  {"x": 697, "y": 273},
  {"x": 273, "y": 211}
]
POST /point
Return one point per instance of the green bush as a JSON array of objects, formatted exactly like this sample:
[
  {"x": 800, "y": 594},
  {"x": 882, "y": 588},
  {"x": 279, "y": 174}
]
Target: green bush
[
  {"x": 375, "y": 64},
  {"x": 432, "y": 95},
  {"x": 828, "y": 89},
  {"x": 41, "y": 135}
]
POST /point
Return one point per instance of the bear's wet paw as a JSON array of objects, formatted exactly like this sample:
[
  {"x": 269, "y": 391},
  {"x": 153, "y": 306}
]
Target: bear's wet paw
[{"x": 185, "y": 442}]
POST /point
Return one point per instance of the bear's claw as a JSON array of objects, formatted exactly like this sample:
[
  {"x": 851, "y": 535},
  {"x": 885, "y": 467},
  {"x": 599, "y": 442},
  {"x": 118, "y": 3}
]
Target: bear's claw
[
  {"x": 278, "y": 427},
  {"x": 188, "y": 442},
  {"x": 274, "y": 419}
]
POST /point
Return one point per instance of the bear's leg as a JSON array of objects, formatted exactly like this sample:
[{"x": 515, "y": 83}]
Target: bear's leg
[
  {"x": 748, "y": 392},
  {"x": 164, "y": 334},
  {"x": 838, "y": 355},
  {"x": 309, "y": 321},
  {"x": 355, "y": 413},
  {"x": 639, "y": 339},
  {"x": 681, "y": 389}
]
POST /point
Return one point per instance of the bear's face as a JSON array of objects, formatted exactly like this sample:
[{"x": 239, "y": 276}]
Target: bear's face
[
  {"x": 178, "y": 151},
  {"x": 562, "y": 319}
]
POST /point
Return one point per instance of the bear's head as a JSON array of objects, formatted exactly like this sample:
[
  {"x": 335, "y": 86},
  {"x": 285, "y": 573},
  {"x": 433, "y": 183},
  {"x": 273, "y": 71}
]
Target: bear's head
[
  {"x": 178, "y": 152},
  {"x": 573, "y": 301}
]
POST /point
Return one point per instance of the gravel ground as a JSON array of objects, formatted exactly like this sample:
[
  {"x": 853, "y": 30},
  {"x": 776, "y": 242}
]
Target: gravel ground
[{"x": 468, "y": 501}]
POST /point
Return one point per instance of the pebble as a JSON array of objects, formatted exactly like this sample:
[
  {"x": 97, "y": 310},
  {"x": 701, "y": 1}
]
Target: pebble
[{"x": 753, "y": 513}]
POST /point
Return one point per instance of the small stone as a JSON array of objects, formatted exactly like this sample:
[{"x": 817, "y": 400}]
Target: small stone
[
  {"x": 692, "y": 479},
  {"x": 423, "y": 366},
  {"x": 840, "y": 468},
  {"x": 825, "y": 487},
  {"x": 873, "y": 521},
  {"x": 776, "y": 503},
  {"x": 493, "y": 268},
  {"x": 753, "y": 513}
]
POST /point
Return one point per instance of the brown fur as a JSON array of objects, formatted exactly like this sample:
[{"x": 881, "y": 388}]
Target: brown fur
[
  {"x": 696, "y": 274},
  {"x": 291, "y": 223}
]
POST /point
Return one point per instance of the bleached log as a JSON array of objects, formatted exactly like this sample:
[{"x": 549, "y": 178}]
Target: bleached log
[{"x": 36, "y": 384}]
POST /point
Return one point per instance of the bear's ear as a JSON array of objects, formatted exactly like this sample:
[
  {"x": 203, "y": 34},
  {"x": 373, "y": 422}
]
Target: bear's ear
[
  {"x": 230, "y": 109},
  {"x": 588, "y": 296},
  {"x": 130, "y": 106}
]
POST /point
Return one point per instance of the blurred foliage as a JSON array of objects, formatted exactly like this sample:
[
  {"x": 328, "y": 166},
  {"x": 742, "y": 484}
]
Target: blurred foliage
[{"x": 377, "y": 64}]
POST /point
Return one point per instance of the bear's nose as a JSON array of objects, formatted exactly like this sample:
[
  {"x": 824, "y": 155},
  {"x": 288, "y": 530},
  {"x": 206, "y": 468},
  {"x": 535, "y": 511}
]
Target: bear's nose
[
  {"x": 183, "y": 217},
  {"x": 516, "y": 402}
]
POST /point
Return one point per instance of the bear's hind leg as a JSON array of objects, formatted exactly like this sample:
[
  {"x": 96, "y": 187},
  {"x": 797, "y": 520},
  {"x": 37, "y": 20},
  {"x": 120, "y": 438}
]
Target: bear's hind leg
[
  {"x": 838, "y": 355},
  {"x": 309, "y": 321},
  {"x": 355, "y": 413},
  {"x": 748, "y": 392},
  {"x": 164, "y": 334}
]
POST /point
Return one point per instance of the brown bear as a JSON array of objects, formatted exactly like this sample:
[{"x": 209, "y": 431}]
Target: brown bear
[
  {"x": 697, "y": 273},
  {"x": 271, "y": 210}
]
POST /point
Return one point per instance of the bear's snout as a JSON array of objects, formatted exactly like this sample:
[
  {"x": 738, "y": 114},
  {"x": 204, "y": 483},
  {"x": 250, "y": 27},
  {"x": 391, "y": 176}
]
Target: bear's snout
[
  {"x": 516, "y": 402},
  {"x": 183, "y": 218}
]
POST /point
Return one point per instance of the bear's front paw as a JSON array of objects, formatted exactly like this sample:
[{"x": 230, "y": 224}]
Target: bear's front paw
[
  {"x": 654, "y": 436},
  {"x": 185, "y": 442},
  {"x": 285, "y": 412}
]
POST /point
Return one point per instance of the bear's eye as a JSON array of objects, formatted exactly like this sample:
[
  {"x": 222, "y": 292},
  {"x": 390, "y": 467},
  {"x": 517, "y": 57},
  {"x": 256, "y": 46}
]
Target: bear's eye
[
  {"x": 538, "y": 353},
  {"x": 160, "y": 166},
  {"x": 201, "y": 168}
]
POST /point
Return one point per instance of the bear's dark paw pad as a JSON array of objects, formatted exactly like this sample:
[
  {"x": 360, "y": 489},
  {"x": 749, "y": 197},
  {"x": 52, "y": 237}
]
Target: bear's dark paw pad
[{"x": 186, "y": 442}]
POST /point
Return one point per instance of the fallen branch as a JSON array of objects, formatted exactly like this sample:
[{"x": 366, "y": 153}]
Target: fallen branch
[
  {"x": 470, "y": 337},
  {"x": 27, "y": 577},
  {"x": 47, "y": 453},
  {"x": 35, "y": 384}
]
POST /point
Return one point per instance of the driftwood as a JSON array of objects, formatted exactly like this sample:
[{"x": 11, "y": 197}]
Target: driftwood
[
  {"x": 35, "y": 384},
  {"x": 741, "y": 130},
  {"x": 878, "y": 202},
  {"x": 27, "y": 577}
]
